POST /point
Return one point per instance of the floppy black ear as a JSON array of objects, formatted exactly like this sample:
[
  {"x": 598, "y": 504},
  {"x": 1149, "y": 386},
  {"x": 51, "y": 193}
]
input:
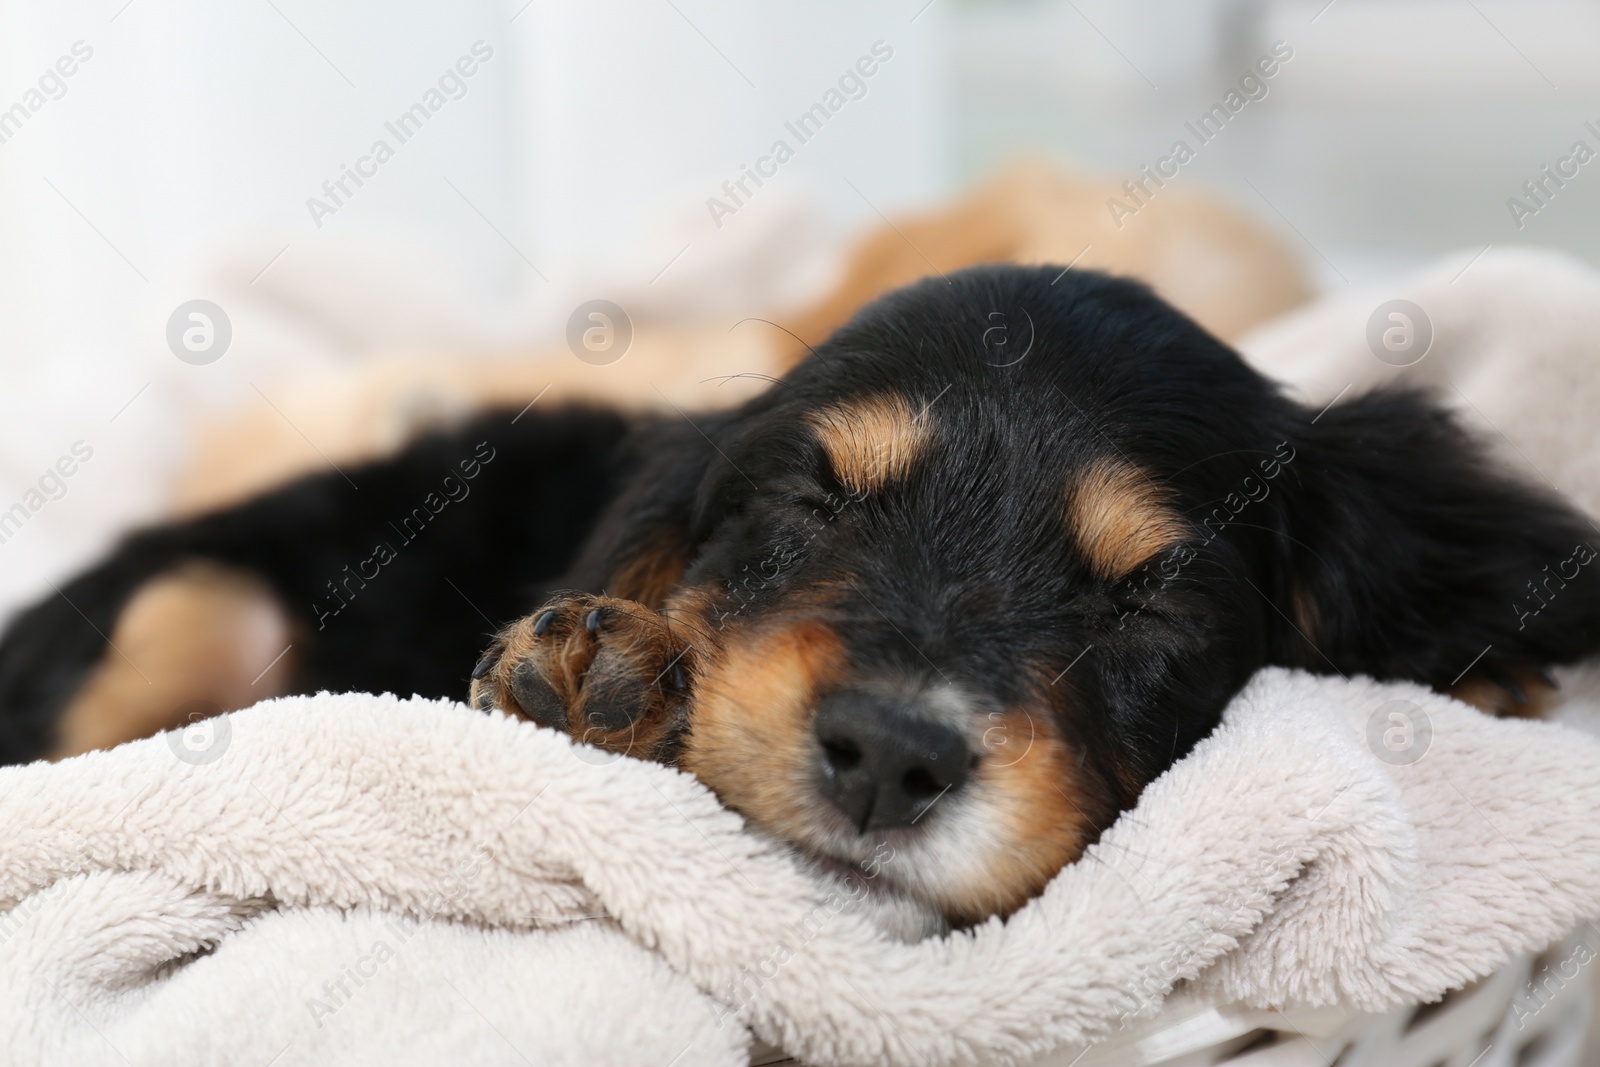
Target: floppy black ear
[{"x": 1411, "y": 554}]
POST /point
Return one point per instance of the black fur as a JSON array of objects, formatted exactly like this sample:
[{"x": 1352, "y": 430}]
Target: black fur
[{"x": 1375, "y": 539}]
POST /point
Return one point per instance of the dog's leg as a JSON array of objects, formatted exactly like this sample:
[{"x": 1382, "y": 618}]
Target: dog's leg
[
  {"x": 191, "y": 643},
  {"x": 382, "y": 577},
  {"x": 1509, "y": 691},
  {"x": 612, "y": 663}
]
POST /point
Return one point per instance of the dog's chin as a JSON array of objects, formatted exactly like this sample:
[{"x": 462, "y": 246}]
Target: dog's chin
[
  {"x": 897, "y": 913},
  {"x": 952, "y": 866}
]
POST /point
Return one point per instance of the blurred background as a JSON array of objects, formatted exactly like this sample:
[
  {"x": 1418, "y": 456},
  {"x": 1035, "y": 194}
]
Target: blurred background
[{"x": 154, "y": 152}]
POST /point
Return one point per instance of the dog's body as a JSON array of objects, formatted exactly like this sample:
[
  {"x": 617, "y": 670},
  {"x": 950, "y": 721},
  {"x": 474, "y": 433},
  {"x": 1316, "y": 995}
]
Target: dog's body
[{"x": 953, "y": 592}]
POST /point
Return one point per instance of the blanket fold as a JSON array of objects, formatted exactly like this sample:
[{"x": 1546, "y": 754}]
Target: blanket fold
[{"x": 520, "y": 898}]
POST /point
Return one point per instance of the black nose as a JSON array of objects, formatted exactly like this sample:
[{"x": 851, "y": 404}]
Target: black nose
[{"x": 882, "y": 764}]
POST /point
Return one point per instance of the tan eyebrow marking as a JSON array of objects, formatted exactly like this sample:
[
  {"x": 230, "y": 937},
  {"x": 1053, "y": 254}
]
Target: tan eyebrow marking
[
  {"x": 1120, "y": 516},
  {"x": 873, "y": 441}
]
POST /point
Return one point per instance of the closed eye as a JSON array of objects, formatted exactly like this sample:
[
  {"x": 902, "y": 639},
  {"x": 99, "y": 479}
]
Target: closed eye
[
  {"x": 811, "y": 500},
  {"x": 1147, "y": 590}
]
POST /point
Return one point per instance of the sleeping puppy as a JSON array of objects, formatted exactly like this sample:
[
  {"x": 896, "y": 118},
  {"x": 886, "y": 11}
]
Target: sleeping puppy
[{"x": 953, "y": 591}]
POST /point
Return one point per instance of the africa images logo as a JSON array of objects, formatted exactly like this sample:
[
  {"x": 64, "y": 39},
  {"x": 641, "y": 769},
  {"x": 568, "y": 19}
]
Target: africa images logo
[{"x": 199, "y": 332}]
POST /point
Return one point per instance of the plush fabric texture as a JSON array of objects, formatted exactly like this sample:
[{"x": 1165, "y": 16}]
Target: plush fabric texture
[{"x": 365, "y": 879}]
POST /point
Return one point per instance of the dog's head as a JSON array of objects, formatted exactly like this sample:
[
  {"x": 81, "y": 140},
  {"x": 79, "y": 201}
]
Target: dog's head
[{"x": 1000, "y": 552}]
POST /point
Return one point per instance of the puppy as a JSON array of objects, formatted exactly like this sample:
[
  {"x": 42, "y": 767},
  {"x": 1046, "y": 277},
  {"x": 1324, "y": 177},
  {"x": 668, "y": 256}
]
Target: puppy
[{"x": 954, "y": 590}]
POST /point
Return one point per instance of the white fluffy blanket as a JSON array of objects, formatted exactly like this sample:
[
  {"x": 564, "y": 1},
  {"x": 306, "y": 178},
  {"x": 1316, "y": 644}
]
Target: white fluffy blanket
[{"x": 362, "y": 879}]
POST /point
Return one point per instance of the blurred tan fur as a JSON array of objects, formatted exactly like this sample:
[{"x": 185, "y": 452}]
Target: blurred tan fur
[{"x": 1207, "y": 259}]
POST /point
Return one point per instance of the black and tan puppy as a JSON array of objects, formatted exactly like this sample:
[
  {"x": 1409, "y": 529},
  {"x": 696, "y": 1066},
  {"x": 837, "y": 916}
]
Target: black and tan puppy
[{"x": 962, "y": 584}]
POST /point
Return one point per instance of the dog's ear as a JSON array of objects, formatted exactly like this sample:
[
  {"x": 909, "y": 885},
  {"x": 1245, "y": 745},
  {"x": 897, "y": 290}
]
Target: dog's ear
[{"x": 1407, "y": 552}]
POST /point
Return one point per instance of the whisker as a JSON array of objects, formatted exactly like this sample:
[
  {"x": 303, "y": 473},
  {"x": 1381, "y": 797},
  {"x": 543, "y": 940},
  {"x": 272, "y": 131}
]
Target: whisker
[
  {"x": 785, "y": 329},
  {"x": 726, "y": 378}
]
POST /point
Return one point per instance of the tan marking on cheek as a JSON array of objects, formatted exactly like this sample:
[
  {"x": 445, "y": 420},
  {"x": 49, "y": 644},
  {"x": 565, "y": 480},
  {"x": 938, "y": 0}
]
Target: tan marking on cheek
[
  {"x": 750, "y": 740},
  {"x": 872, "y": 442},
  {"x": 1120, "y": 517},
  {"x": 188, "y": 643},
  {"x": 1030, "y": 791}
]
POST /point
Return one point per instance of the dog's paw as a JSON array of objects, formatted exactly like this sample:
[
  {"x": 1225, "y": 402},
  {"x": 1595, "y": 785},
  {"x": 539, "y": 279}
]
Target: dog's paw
[
  {"x": 609, "y": 672},
  {"x": 1508, "y": 690}
]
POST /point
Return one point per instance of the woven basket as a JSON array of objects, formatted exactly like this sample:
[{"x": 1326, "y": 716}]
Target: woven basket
[{"x": 1534, "y": 1012}]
